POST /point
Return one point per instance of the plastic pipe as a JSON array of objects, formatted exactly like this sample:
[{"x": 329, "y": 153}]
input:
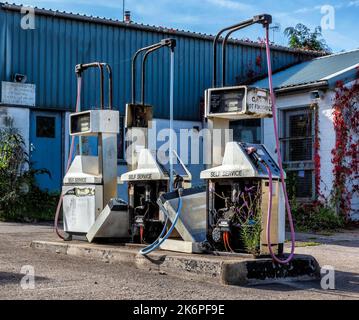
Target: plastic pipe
[
  {"x": 171, "y": 119},
  {"x": 287, "y": 205},
  {"x": 155, "y": 245},
  {"x": 59, "y": 204}
]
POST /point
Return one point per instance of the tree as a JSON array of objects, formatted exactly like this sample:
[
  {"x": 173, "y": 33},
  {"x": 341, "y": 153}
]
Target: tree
[
  {"x": 301, "y": 37},
  {"x": 20, "y": 197}
]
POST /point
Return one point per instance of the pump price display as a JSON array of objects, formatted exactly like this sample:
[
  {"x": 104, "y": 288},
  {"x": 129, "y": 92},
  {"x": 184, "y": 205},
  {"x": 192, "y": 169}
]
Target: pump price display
[
  {"x": 241, "y": 102},
  {"x": 80, "y": 123},
  {"x": 179, "y": 310}
]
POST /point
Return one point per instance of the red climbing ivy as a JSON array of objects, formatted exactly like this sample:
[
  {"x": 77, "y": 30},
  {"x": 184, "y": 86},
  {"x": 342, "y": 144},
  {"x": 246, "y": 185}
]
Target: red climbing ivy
[
  {"x": 317, "y": 164},
  {"x": 346, "y": 152}
]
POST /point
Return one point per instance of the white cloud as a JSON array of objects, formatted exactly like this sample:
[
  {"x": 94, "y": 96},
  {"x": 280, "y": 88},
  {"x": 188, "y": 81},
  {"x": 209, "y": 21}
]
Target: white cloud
[
  {"x": 339, "y": 40},
  {"x": 231, "y": 4},
  {"x": 353, "y": 3}
]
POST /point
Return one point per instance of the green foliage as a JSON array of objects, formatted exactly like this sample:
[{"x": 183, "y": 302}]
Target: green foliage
[
  {"x": 251, "y": 234},
  {"x": 20, "y": 197},
  {"x": 251, "y": 226},
  {"x": 301, "y": 37},
  {"x": 316, "y": 216}
]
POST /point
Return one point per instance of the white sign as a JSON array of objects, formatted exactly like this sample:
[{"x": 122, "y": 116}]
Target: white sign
[
  {"x": 259, "y": 102},
  {"x": 22, "y": 94}
]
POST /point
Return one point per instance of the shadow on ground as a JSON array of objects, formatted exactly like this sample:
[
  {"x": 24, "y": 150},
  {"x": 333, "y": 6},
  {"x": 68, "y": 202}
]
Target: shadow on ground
[
  {"x": 12, "y": 277},
  {"x": 347, "y": 282}
]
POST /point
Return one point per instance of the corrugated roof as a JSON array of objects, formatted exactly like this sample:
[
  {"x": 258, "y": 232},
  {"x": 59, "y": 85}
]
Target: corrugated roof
[
  {"x": 146, "y": 27},
  {"x": 323, "y": 69}
]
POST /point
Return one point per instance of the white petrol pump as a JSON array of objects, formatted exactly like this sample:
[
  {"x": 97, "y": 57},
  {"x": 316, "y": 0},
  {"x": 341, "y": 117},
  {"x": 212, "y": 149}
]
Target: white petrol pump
[
  {"x": 246, "y": 193},
  {"x": 147, "y": 178},
  {"x": 89, "y": 193},
  {"x": 245, "y": 197}
]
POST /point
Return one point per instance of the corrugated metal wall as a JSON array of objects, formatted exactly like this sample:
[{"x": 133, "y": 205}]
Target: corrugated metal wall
[{"x": 48, "y": 54}]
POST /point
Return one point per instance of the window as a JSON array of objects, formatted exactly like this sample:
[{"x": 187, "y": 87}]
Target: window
[
  {"x": 248, "y": 130},
  {"x": 297, "y": 144},
  {"x": 45, "y": 127}
]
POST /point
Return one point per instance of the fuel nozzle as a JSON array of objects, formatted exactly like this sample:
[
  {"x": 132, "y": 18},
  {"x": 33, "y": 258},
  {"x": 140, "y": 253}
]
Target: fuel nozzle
[
  {"x": 235, "y": 192},
  {"x": 252, "y": 151},
  {"x": 178, "y": 182},
  {"x": 264, "y": 19},
  {"x": 169, "y": 42}
]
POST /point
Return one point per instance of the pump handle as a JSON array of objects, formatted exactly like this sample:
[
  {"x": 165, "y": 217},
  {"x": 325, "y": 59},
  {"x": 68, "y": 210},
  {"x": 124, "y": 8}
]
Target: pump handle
[
  {"x": 79, "y": 70},
  {"x": 168, "y": 42},
  {"x": 264, "y": 19}
]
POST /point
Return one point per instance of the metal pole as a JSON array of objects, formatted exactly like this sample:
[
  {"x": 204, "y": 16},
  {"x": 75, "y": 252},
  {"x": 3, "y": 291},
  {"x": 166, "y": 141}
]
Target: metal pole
[
  {"x": 171, "y": 117},
  {"x": 123, "y": 10},
  {"x": 263, "y": 19},
  {"x": 133, "y": 69},
  {"x": 143, "y": 71},
  {"x": 224, "y": 50}
]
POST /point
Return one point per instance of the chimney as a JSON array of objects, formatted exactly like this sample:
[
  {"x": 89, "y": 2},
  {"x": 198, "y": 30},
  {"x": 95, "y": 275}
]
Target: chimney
[{"x": 127, "y": 17}]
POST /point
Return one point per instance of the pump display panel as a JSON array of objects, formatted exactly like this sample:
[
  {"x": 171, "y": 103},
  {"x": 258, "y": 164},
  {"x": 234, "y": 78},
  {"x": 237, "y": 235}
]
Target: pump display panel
[
  {"x": 94, "y": 122},
  {"x": 238, "y": 103},
  {"x": 80, "y": 123}
]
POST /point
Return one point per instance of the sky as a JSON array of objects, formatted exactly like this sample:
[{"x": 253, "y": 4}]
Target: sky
[{"x": 339, "y": 17}]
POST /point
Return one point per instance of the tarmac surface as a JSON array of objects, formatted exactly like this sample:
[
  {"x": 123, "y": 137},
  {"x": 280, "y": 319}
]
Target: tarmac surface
[{"x": 65, "y": 277}]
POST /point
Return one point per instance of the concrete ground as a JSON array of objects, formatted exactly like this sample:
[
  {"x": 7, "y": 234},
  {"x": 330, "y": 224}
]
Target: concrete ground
[{"x": 65, "y": 277}]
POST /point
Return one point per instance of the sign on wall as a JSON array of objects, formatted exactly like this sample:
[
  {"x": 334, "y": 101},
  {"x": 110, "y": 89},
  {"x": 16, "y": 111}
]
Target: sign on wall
[{"x": 22, "y": 94}]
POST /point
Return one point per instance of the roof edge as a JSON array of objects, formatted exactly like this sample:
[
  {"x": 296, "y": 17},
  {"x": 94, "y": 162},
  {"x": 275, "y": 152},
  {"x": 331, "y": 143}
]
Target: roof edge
[
  {"x": 163, "y": 30},
  {"x": 302, "y": 87}
]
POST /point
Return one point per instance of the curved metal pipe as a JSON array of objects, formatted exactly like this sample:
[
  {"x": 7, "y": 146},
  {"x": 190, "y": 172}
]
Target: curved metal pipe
[
  {"x": 110, "y": 85},
  {"x": 216, "y": 38},
  {"x": 133, "y": 69},
  {"x": 143, "y": 70},
  {"x": 224, "y": 50},
  {"x": 80, "y": 68}
]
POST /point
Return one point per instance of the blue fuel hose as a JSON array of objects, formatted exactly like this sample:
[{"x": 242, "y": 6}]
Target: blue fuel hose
[{"x": 155, "y": 245}]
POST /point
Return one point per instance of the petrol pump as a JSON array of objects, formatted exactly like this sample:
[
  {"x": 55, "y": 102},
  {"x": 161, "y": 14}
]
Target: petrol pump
[
  {"x": 91, "y": 209},
  {"x": 245, "y": 187},
  {"x": 246, "y": 191},
  {"x": 147, "y": 177}
]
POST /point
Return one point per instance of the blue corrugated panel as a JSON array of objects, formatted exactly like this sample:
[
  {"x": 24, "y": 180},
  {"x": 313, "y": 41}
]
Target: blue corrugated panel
[{"x": 48, "y": 54}]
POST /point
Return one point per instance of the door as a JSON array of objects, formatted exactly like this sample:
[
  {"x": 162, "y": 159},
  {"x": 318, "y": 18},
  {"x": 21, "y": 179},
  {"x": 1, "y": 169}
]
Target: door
[{"x": 45, "y": 148}]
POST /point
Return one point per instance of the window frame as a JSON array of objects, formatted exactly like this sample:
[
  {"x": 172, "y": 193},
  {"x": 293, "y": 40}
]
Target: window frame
[{"x": 296, "y": 166}]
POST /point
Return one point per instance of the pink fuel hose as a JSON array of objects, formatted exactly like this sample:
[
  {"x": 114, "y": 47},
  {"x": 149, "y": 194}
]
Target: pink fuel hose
[
  {"x": 287, "y": 205},
  {"x": 78, "y": 102}
]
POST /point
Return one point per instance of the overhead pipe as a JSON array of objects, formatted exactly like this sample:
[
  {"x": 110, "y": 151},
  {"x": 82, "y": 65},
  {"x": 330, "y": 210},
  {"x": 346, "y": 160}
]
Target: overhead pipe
[
  {"x": 143, "y": 71},
  {"x": 224, "y": 51},
  {"x": 110, "y": 85},
  {"x": 133, "y": 69},
  {"x": 171, "y": 43},
  {"x": 263, "y": 19}
]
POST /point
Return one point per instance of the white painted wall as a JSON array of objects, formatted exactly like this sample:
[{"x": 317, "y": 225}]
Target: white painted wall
[
  {"x": 326, "y": 134},
  {"x": 21, "y": 117}
]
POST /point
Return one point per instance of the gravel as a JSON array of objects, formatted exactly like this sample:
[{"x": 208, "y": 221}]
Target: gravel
[{"x": 64, "y": 277}]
